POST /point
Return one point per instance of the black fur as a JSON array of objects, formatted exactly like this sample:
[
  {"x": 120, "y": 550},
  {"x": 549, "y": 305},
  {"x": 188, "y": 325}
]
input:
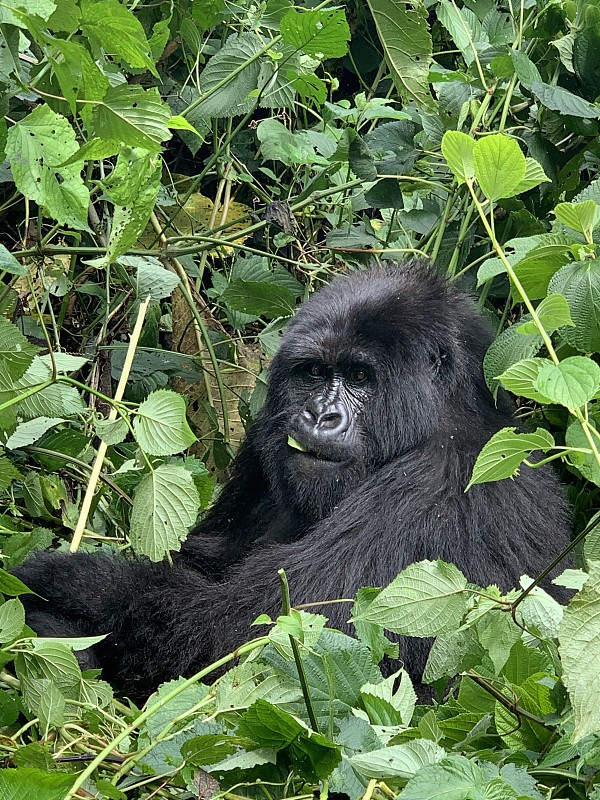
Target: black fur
[{"x": 383, "y": 486}]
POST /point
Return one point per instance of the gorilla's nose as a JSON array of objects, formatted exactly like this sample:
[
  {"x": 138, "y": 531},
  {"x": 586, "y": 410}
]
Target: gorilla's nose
[{"x": 324, "y": 421}]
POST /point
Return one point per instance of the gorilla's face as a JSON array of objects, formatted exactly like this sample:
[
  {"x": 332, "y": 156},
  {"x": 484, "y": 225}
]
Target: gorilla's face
[{"x": 363, "y": 375}]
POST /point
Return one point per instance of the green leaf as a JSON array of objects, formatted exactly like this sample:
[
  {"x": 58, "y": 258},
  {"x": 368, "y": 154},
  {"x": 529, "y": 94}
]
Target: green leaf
[
  {"x": 36, "y": 146},
  {"x": 553, "y": 312},
  {"x": 79, "y": 77},
  {"x": 558, "y": 99},
  {"x": 579, "y": 644},
  {"x": 526, "y": 70},
  {"x": 296, "y": 445},
  {"x": 452, "y": 653},
  {"x": 8, "y": 473},
  {"x": 521, "y": 377},
  {"x": 10, "y": 584},
  {"x": 583, "y": 217},
  {"x": 153, "y": 279},
  {"x": 114, "y": 27},
  {"x": 572, "y": 383},
  {"x": 499, "y": 165},
  {"x": 399, "y": 760},
  {"x": 534, "y": 175},
  {"x": 505, "y": 351},
  {"x": 404, "y": 35},
  {"x": 502, "y": 456},
  {"x": 160, "y": 426},
  {"x": 12, "y": 620},
  {"x": 272, "y": 728},
  {"x": 465, "y": 28},
  {"x": 260, "y": 298},
  {"x": 165, "y": 507},
  {"x": 230, "y": 77},
  {"x": 453, "y": 778},
  {"x": 29, "y": 432},
  {"x": 112, "y": 431},
  {"x": 279, "y": 144},
  {"x": 16, "y": 353},
  {"x": 17, "y": 784},
  {"x": 8, "y": 263},
  {"x": 457, "y": 149},
  {"x": 40, "y": 8},
  {"x": 321, "y": 33},
  {"x": 579, "y": 282},
  {"x": 425, "y": 599},
  {"x": 134, "y": 204},
  {"x": 134, "y": 116},
  {"x": 390, "y": 702},
  {"x": 585, "y": 463}
]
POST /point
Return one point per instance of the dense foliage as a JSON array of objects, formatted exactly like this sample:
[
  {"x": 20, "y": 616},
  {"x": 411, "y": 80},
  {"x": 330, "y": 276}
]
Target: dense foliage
[{"x": 176, "y": 176}]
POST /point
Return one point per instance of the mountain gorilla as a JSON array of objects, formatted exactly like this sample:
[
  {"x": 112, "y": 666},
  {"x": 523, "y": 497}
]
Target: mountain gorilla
[{"x": 379, "y": 379}]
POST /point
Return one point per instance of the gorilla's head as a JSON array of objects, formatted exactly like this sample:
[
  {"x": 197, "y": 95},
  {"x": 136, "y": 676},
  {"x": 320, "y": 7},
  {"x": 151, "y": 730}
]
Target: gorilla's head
[{"x": 372, "y": 366}]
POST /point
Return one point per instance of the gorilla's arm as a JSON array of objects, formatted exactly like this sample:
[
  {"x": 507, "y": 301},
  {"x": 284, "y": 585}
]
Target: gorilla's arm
[{"x": 166, "y": 621}]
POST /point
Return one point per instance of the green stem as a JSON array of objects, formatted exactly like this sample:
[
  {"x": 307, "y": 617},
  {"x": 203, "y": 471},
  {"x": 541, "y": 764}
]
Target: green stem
[{"x": 286, "y": 605}]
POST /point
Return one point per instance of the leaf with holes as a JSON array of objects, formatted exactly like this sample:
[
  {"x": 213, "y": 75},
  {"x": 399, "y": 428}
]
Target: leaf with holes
[
  {"x": 502, "y": 456},
  {"x": 136, "y": 117},
  {"x": 36, "y": 145}
]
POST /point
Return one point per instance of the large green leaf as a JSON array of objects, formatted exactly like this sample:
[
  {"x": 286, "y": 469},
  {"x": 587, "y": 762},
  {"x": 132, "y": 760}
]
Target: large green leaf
[
  {"x": 457, "y": 149},
  {"x": 16, "y": 353},
  {"x": 114, "y": 27},
  {"x": 572, "y": 383},
  {"x": 231, "y": 76},
  {"x": 565, "y": 102},
  {"x": 502, "y": 456},
  {"x": 25, "y": 783},
  {"x": 133, "y": 116},
  {"x": 425, "y": 599},
  {"x": 398, "y": 761},
  {"x": 579, "y": 641},
  {"x": 323, "y": 33},
  {"x": 259, "y": 297},
  {"x": 579, "y": 282},
  {"x": 465, "y": 28},
  {"x": 160, "y": 426},
  {"x": 505, "y": 351},
  {"x": 165, "y": 507},
  {"x": 36, "y": 145},
  {"x": 404, "y": 34},
  {"x": 499, "y": 165}
]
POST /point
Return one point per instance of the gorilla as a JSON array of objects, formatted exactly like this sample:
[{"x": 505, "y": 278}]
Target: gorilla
[{"x": 356, "y": 467}]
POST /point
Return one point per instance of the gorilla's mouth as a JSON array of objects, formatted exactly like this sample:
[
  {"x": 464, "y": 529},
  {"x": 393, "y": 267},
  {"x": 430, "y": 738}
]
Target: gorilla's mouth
[{"x": 304, "y": 452}]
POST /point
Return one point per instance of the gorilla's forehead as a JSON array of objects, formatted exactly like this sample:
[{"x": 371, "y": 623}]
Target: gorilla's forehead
[{"x": 374, "y": 312}]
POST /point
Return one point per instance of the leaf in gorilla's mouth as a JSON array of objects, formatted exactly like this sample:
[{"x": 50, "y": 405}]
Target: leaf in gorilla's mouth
[{"x": 296, "y": 445}]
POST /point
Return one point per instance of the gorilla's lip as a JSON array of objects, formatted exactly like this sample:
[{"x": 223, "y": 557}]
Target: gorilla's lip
[{"x": 309, "y": 453}]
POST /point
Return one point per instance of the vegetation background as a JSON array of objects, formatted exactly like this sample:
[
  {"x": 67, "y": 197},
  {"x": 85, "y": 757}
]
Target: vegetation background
[{"x": 176, "y": 177}]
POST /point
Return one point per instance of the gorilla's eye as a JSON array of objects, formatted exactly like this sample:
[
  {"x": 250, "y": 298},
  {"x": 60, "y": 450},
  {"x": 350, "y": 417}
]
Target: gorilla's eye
[
  {"x": 358, "y": 375},
  {"x": 315, "y": 370}
]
